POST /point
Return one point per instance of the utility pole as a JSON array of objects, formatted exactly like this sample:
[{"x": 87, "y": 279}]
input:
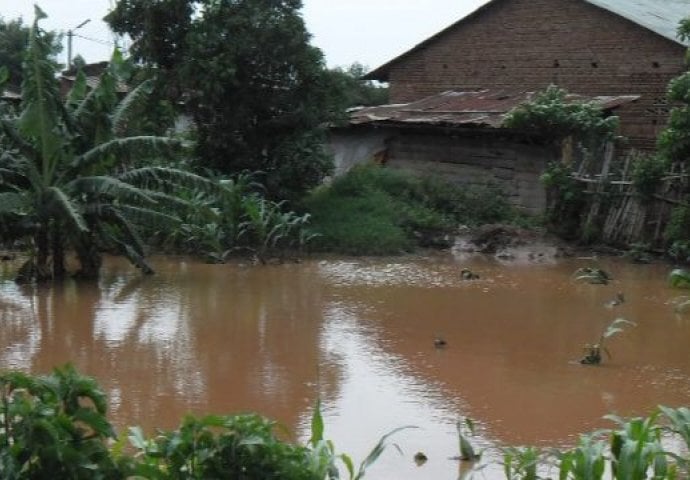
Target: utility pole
[{"x": 70, "y": 36}]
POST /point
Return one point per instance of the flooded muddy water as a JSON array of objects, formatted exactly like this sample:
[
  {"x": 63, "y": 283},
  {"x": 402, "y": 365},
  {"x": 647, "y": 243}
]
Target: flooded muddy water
[{"x": 360, "y": 334}]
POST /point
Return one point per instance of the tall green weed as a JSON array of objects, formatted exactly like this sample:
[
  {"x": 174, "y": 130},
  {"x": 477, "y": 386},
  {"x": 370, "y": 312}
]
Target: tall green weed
[{"x": 374, "y": 210}]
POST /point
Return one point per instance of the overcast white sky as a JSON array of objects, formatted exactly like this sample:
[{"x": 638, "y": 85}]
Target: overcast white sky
[{"x": 368, "y": 31}]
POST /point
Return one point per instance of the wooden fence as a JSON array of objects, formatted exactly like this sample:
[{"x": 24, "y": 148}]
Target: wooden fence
[{"x": 616, "y": 210}]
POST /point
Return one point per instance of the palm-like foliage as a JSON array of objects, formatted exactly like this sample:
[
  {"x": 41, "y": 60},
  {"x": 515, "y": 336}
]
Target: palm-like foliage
[{"x": 72, "y": 176}]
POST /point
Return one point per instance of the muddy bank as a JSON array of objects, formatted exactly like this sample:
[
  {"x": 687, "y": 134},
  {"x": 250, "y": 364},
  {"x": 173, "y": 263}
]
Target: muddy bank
[{"x": 511, "y": 243}]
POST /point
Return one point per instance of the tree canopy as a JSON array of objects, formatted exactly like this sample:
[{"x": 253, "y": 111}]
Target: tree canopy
[
  {"x": 358, "y": 92},
  {"x": 674, "y": 141},
  {"x": 14, "y": 40},
  {"x": 258, "y": 92}
]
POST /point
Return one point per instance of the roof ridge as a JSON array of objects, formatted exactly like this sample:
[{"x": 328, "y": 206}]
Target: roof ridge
[{"x": 636, "y": 11}]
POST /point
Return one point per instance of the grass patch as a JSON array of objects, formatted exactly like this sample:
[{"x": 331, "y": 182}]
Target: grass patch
[{"x": 374, "y": 210}]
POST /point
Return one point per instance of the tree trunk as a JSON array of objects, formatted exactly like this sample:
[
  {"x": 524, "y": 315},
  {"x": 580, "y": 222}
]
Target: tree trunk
[
  {"x": 42, "y": 272},
  {"x": 59, "y": 269},
  {"x": 89, "y": 259}
]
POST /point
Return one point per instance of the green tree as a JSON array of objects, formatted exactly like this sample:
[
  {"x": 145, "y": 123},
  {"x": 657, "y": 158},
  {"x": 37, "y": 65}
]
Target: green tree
[
  {"x": 359, "y": 92},
  {"x": 674, "y": 141},
  {"x": 258, "y": 92},
  {"x": 72, "y": 175},
  {"x": 14, "y": 39}
]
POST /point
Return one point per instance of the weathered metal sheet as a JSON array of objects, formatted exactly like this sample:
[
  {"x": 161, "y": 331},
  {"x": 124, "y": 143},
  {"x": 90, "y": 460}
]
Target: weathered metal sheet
[{"x": 484, "y": 108}]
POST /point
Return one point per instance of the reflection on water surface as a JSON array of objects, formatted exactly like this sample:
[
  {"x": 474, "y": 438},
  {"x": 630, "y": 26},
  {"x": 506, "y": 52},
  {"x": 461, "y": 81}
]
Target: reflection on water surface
[{"x": 360, "y": 334}]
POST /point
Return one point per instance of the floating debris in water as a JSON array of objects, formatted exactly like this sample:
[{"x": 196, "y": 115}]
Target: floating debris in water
[
  {"x": 420, "y": 459},
  {"x": 618, "y": 300},
  {"x": 594, "y": 276},
  {"x": 467, "y": 274}
]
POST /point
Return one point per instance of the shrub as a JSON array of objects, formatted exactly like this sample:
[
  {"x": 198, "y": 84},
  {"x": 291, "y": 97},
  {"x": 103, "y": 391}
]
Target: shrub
[
  {"x": 678, "y": 227},
  {"x": 376, "y": 210},
  {"x": 554, "y": 116},
  {"x": 566, "y": 200},
  {"x": 54, "y": 427},
  {"x": 647, "y": 174},
  {"x": 364, "y": 225},
  {"x": 242, "y": 447}
]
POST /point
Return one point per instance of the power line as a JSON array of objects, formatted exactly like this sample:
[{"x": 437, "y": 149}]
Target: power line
[{"x": 95, "y": 40}]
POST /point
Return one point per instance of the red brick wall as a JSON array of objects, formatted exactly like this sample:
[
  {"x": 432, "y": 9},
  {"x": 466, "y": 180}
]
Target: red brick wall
[{"x": 529, "y": 44}]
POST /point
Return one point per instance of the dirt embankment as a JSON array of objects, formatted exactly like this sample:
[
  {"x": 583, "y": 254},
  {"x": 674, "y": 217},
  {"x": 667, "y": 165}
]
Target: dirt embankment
[{"x": 511, "y": 243}]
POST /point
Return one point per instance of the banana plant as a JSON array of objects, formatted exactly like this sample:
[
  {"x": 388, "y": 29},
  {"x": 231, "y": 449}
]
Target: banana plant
[{"x": 72, "y": 174}]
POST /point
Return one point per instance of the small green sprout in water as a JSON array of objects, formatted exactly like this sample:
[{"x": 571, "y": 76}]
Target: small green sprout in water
[
  {"x": 593, "y": 352},
  {"x": 467, "y": 451}
]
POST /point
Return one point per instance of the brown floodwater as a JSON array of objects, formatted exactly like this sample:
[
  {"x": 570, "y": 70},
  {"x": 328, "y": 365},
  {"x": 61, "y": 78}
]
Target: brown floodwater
[{"x": 359, "y": 334}]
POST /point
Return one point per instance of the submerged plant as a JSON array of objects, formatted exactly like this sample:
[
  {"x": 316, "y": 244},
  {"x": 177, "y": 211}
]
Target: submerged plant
[
  {"x": 467, "y": 451},
  {"x": 322, "y": 456},
  {"x": 680, "y": 304},
  {"x": 679, "y": 278},
  {"x": 594, "y": 276},
  {"x": 593, "y": 351}
]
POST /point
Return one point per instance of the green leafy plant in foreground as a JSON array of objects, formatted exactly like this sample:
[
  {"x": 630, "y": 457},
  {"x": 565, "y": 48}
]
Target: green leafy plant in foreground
[
  {"x": 54, "y": 427},
  {"x": 637, "y": 450},
  {"x": 241, "y": 446},
  {"x": 521, "y": 463},
  {"x": 587, "y": 461}
]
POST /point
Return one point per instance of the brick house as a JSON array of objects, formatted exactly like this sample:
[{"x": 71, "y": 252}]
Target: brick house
[
  {"x": 450, "y": 93},
  {"x": 589, "y": 47}
]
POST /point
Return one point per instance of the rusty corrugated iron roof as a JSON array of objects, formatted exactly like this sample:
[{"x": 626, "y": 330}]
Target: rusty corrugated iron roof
[{"x": 484, "y": 108}]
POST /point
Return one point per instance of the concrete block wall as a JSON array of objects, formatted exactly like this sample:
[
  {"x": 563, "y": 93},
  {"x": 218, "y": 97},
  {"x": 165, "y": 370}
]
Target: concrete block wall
[{"x": 514, "y": 167}]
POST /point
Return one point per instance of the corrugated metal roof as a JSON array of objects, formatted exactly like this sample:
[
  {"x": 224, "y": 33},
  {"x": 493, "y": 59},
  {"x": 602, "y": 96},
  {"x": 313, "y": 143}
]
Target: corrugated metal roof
[
  {"x": 659, "y": 16},
  {"x": 92, "y": 82},
  {"x": 484, "y": 108}
]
